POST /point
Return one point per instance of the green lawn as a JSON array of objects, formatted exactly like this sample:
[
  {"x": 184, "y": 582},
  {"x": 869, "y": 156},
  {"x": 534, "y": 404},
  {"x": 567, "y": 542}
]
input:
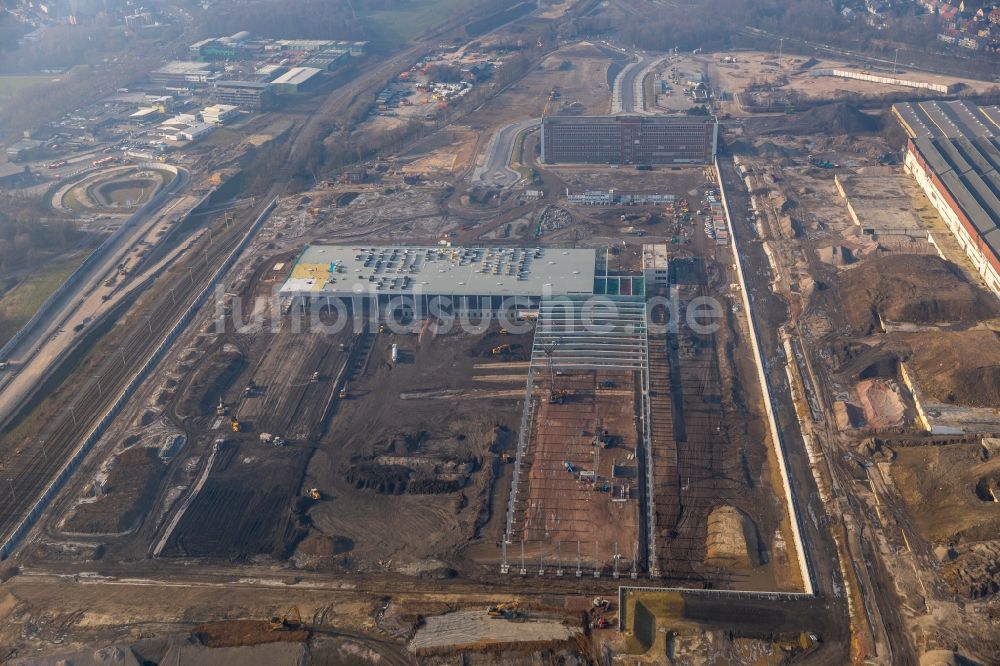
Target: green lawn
[
  {"x": 20, "y": 303},
  {"x": 10, "y": 86},
  {"x": 388, "y": 29}
]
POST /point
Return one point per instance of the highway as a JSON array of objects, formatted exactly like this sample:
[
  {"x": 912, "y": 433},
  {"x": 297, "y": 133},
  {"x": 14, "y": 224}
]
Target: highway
[
  {"x": 62, "y": 325},
  {"x": 26, "y": 469}
]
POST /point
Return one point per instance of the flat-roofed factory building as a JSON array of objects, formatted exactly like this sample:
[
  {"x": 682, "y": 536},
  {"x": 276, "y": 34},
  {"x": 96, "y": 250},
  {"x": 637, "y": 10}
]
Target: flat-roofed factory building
[
  {"x": 478, "y": 281},
  {"x": 676, "y": 140},
  {"x": 954, "y": 155}
]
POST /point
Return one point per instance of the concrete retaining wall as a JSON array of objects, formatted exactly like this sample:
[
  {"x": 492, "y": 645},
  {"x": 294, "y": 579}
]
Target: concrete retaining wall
[
  {"x": 69, "y": 467},
  {"x": 769, "y": 406}
]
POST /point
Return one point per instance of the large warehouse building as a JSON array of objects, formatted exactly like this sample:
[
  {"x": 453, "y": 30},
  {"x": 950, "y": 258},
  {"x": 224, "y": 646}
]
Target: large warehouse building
[
  {"x": 954, "y": 154},
  {"x": 629, "y": 139},
  {"x": 473, "y": 281}
]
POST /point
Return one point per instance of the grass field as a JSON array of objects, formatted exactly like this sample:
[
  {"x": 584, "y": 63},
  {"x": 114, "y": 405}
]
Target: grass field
[
  {"x": 10, "y": 86},
  {"x": 20, "y": 303},
  {"x": 387, "y": 29}
]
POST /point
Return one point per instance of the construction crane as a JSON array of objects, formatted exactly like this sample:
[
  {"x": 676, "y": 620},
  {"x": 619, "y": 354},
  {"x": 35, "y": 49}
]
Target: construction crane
[{"x": 286, "y": 621}]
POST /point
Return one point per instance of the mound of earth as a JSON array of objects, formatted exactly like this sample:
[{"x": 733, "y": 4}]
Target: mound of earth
[
  {"x": 946, "y": 372},
  {"x": 944, "y": 658},
  {"x": 975, "y": 570},
  {"x": 882, "y": 404},
  {"x": 325, "y": 546},
  {"x": 732, "y": 539},
  {"x": 130, "y": 490},
  {"x": 837, "y": 119},
  {"x": 917, "y": 289}
]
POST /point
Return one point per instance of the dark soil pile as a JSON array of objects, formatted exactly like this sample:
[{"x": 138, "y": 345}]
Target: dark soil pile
[
  {"x": 906, "y": 288},
  {"x": 961, "y": 367},
  {"x": 835, "y": 119},
  {"x": 130, "y": 490}
]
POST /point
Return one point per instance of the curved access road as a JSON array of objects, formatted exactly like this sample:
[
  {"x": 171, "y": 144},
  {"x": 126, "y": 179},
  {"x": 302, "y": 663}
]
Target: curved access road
[{"x": 496, "y": 170}]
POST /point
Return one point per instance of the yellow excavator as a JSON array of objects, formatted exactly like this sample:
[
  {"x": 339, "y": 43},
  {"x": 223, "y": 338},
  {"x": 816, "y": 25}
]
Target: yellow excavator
[
  {"x": 508, "y": 610},
  {"x": 286, "y": 621}
]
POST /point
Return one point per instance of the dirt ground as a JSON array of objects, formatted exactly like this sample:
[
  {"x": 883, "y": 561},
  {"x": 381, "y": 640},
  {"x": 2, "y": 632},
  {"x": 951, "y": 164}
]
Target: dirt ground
[
  {"x": 562, "y": 505},
  {"x": 938, "y": 484},
  {"x": 406, "y": 470},
  {"x": 793, "y": 73}
]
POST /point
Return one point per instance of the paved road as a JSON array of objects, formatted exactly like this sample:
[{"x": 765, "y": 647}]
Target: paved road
[
  {"x": 62, "y": 325},
  {"x": 623, "y": 91},
  {"x": 496, "y": 170}
]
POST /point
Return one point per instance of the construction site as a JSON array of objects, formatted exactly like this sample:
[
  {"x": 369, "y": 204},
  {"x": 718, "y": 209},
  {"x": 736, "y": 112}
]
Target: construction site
[{"x": 461, "y": 399}]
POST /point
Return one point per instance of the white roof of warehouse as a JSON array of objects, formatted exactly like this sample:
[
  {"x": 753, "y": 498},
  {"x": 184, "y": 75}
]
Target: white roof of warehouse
[
  {"x": 297, "y": 75},
  {"x": 343, "y": 270}
]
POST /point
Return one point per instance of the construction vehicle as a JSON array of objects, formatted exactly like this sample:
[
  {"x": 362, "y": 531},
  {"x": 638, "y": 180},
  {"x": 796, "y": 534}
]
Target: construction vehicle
[
  {"x": 343, "y": 392},
  {"x": 286, "y": 621},
  {"x": 274, "y": 440},
  {"x": 315, "y": 494},
  {"x": 381, "y": 328},
  {"x": 504, "y": 331},
  {"x": 235, "y": 423},
  {"x": 220, "y": 409},
  {"x": 315, "y": 377},
  {"x": 507, "y": 610},
  {"x": 395, "y": 353},
  {"x": 602, "y": 623},
  {"x": 602, "y": 603},
  {"x": 501, "y": 349},
  {"x": 601, "y": 437}
]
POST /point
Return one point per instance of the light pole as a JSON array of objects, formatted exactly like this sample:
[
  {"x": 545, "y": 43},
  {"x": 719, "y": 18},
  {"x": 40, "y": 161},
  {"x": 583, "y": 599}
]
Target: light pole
[{"x": 895, "y": 59}]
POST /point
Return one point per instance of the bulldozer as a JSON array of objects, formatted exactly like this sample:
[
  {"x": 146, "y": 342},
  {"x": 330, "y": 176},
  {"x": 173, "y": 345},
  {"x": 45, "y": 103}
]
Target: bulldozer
[{"x": 286, "y": 621}]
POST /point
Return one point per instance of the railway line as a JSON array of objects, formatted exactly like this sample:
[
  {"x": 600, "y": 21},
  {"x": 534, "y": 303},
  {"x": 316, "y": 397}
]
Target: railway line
[
  {"x": 27, "y": 466},
  {"x": 98, "y": 381}
]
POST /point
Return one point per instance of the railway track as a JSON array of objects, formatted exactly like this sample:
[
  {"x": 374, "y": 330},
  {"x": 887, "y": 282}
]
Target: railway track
[{"x": 29, "y": 467}]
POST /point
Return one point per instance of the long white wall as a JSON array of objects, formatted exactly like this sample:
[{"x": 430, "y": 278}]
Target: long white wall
[{"x": 777, "y": 443}]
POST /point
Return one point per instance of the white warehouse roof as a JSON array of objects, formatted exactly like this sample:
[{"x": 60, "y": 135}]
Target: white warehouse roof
[
  {"x": 297, "y": 75},
  {"x": 345, "y": 270}
]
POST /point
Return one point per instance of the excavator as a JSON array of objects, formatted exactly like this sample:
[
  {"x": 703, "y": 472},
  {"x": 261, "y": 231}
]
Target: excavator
[
  {"x": 501, "y": 349},
  {"x": 508, "y": 610},
  {"x": 286, "y": 621}
]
